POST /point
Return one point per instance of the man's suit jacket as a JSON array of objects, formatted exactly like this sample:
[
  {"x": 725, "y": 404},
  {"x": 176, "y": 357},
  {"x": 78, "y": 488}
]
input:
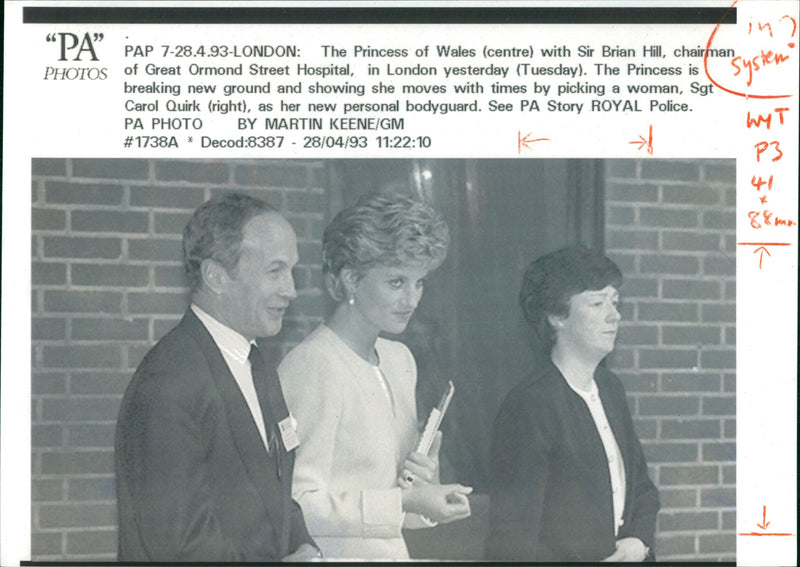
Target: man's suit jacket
[
  {"x": 551, "y": 488},
  {"x": 194, "y": 479}
]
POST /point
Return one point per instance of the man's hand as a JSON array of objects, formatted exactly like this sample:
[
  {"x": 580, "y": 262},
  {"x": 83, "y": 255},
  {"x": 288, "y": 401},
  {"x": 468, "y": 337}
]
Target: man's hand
[
  {"x": 306, "y": 552},
  {"x": 630, "y": 549},
  {"x": 440, "y": 503}
]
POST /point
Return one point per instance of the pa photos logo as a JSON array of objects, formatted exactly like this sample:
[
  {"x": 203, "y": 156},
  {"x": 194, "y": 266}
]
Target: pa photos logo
[{"x": 76, "y": 49}]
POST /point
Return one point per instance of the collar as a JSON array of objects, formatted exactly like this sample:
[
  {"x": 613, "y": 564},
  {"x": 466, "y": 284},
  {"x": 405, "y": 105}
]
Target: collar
[{"x": 229, "y": 341}]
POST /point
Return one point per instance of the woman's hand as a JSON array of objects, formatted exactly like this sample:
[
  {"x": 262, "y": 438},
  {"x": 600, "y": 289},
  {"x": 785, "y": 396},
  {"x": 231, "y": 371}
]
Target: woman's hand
[
  {"x": 419, "y": 469},
  {"x": 629, "y": 549},
  {"x": 441, "y": 503}
]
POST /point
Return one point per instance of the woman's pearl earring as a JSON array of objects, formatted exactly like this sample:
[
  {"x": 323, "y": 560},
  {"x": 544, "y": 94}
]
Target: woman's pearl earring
[{"x": 351, "y": 300}]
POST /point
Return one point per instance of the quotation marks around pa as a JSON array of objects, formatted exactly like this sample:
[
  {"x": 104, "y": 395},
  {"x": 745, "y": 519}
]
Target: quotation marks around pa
[{"x": 79, "y": 54}]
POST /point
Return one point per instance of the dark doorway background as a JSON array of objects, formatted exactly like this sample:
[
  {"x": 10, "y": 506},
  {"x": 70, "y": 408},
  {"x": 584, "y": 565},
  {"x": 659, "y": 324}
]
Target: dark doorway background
[{"x": 468, "y": 328}]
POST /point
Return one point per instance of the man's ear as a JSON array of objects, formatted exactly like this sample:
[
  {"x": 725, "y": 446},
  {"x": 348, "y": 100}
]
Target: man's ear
[{"x": 215, "y": 276}]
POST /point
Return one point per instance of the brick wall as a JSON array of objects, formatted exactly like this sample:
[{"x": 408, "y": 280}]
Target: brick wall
[
  {"x": 670, "y": 226},
  {"x": 107, "y": 283}
]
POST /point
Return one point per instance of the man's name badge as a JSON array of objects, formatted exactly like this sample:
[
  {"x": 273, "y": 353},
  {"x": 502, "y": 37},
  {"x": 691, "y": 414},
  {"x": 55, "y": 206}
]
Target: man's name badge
[{"x": 289, "y": 433}]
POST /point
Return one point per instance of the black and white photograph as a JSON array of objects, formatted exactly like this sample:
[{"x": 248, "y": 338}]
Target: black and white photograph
[{"x": 584, "y": 311}]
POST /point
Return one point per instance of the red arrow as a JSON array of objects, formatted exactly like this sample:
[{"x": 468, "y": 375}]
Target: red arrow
[
  {"x": 648, "y": 142},
  {"x": 524, "y": 141},
  {"x": 764, "y": 523},
  {"x": 761, "y": 257}
]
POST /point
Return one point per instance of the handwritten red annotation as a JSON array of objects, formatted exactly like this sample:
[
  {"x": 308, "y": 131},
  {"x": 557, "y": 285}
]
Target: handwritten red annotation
[{"x": 764, "y": 525}]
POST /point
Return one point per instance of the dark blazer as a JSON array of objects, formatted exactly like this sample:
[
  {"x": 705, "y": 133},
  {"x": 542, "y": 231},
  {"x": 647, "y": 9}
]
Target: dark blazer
[
  {"x": 194, "y": 480},
  {"x": 551, "y": 489}
]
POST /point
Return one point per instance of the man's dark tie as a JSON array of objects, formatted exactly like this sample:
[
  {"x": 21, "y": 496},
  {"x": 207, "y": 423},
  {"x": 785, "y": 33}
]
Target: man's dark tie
[{"x": 265, "y": 380}]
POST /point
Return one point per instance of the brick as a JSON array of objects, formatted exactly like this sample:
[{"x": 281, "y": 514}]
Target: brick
[
  {"x": 729, "y": 474},
  {"x": 719, "y": 265},
  {"x": 719, "y": 405},
  {"x": 627, "y": 310},
  {"x": 89, "y": 301},
  {"x": 621, "y": 168},
  {"x": 638, "y": 192},
  {"x": 728, "y": 520},
  {"x": 46, "y": 435},
  {"x": 729, "y": 428},
  {"x": 668, "y": 405},
  {"x": 43, "y": 383},
  {"x": 81, "y": 356},
  {"x": 718, "y": 543},
  {"x": 82, "y": 193},
  {"x": 670, "y": 452},
  {"x": 691, "y": 289},
  {"x": 718, "y": 312},
  {"x": 690, "y": 335},
  {"x": 171, "y": 276},
  {"x": 638, "y": 381},
  {"x": 77, "y": 515},
  {"x": 92, "y": 489},
  {"x": 659, "y": 217},
  {"x": 48, "y": 219},
  {"x": 45, "y": 544},
  {"x": 718, "y": 359},
  {"x": 78, "y": 462},
  {"x": 663, "y": 311},
  {"x": 161, "y": 303},
  {"x": 723, "y": 172},
  {"x": 171, "y": 223},
  {"x": 110, "y": 329},
  {"x": 91, "y": 542},
  {"x": 664, "y": 358},
  {"x": 730, "y": 197},
  {"x": 669, "y": 264},
  {"x": 687, "y": 521},
  {"x": 310, "y": 251},
  {"x": 109, "y": 275},
  {"x": 91, "y": 435},
  {"x": 677, "y": 498},
  {"x": 99, "y": 383},
  {"x": 167, "y": 196},
  {"x": 632, "y": 239},
  {"x": 634, "y": 288},
  {"x": 719, "y": 220},
  {"x": 690, "y": 429},
  {"x": 110, "y": 221},
  {"x": 48, "y": 329},
  {"x": 48, "y": 166},
  {"x": 637, "y": 335},
  {"x": 76, "y": 410},
  {"x": 691, "y": 241},
  {"x": 48, "y": 273},
  {"x": 317, "y": 229},
  {"x": 306, "y": 202},
  {"x": 272, "y": 175},
  {"x": 729, "y": 383},
  {"x": 669, "y": 545},
  {"x": 81, "y": 247},
  {"x": 620, "y": 215},
  {"x": 671, "y": 170},
  {"x": 718, "y": 497},
  {"x": 136, "y": 354},
  {"x": 691, "y": 195},
  {"x": 47, "y": 490},
  {"x": 111, "y": 168},
  {"x": 730, "y": 290},
  {"x": 155, "y": 249},
  {"x": 673, "y": 475}
]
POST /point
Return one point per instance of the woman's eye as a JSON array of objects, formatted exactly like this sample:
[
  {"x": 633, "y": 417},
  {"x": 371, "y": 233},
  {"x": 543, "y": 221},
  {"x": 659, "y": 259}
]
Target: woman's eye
[{"x": 397, "y": 282}]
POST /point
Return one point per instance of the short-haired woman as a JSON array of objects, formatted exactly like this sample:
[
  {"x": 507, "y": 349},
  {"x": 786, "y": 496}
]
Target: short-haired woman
[
  {"x": 352, "y": 392},
  {"x": 569, "y": 479}
]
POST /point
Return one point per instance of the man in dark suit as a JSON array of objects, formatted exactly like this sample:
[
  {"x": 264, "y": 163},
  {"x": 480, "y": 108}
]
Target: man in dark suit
[{"x": 204, "y": 442}]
